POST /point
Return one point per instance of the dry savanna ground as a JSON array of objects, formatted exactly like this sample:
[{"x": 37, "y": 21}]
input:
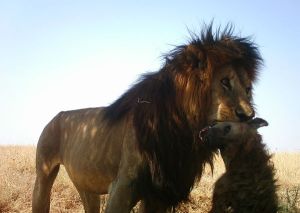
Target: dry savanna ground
[{"x": 17, "y": 174}]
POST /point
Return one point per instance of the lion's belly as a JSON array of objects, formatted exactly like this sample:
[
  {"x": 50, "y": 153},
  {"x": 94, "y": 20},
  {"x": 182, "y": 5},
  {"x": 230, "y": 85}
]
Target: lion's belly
[
  {"x": 90, "y": 180},
  {"x": 93, "y": 169}
]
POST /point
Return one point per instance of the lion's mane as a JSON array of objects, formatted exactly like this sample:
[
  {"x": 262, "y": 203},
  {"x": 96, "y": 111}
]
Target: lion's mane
[{"x": 169, "y": 107}]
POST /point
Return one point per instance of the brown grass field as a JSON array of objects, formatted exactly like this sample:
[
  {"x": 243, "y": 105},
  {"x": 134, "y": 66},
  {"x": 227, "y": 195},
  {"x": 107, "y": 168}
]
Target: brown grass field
[{"x": 17, "y": 174}]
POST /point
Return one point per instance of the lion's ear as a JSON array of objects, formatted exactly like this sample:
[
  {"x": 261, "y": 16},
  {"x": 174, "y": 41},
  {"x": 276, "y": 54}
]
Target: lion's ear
[{"x": 196, "y": 56}]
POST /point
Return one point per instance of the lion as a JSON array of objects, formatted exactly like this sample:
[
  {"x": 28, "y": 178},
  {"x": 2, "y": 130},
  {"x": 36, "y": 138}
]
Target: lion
[
  {"x": 145, "y": 146},
  {"x": 248, "y": 185}
]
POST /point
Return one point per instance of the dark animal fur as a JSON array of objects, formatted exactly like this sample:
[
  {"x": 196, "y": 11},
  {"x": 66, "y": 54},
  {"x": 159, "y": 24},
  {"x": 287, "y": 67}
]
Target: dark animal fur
[
  {"x": 166, "y": 126},
  {"x": 248, "y": 186}
]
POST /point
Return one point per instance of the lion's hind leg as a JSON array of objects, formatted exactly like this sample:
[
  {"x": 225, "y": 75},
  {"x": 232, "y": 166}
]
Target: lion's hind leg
[
  {"x": 47, "y": 166},
  {"x": 91, "y": 201},
  {"x": 42, "y": 190}
]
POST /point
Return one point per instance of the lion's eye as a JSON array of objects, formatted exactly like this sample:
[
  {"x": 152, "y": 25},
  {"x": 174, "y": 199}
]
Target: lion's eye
[{"x": 226, "y": 83}]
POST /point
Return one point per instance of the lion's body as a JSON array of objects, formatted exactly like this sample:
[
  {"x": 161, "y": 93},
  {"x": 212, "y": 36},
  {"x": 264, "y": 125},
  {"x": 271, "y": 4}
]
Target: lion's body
[{"x": 145, "y": 146}]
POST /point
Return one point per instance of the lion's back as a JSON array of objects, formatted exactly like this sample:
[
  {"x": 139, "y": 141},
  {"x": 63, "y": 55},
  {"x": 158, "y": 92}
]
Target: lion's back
[{"x": 76, "y": 135}]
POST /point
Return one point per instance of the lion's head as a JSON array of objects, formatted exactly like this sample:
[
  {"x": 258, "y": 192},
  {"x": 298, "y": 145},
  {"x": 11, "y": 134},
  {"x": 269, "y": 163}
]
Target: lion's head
[
  {"x": 209, "y": 79},
  {"x": 214, "y": 76}
]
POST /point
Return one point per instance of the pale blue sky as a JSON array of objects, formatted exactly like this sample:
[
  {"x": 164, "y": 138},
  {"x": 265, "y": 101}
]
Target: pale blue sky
[{"x": 60, "y": 55}]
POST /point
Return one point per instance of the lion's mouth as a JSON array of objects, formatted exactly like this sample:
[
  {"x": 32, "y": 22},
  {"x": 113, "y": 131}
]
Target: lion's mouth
[{"x": 220, "y": 121}]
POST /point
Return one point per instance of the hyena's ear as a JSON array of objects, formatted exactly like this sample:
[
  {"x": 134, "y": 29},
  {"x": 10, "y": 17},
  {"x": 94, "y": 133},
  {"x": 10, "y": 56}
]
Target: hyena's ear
[{"x": 258, "y": 122}]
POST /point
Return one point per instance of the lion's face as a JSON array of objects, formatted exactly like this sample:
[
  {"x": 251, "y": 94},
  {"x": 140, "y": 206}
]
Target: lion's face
[{"x": 231, "y": 95}]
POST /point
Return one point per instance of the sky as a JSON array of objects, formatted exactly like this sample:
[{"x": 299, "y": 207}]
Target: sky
[{"x": 65, "y": 54}]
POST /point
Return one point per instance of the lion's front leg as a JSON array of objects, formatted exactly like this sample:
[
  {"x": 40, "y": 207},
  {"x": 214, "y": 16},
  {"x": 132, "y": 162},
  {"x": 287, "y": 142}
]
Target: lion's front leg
[
  {"x": 122, "y": 196},
  {"x": 123, "y": 193}
]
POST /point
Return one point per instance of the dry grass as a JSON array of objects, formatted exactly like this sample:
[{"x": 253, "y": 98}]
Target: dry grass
[{"x": 17, "y": 174}]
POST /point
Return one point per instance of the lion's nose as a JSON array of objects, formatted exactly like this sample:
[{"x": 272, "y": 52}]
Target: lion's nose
[{"x": 244, "y": 115}]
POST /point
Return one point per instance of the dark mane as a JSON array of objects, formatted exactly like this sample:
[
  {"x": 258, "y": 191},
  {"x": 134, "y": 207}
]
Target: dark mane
[
  {"x": 204, "y": 52},
  {"x": 167, "y": 117}
]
